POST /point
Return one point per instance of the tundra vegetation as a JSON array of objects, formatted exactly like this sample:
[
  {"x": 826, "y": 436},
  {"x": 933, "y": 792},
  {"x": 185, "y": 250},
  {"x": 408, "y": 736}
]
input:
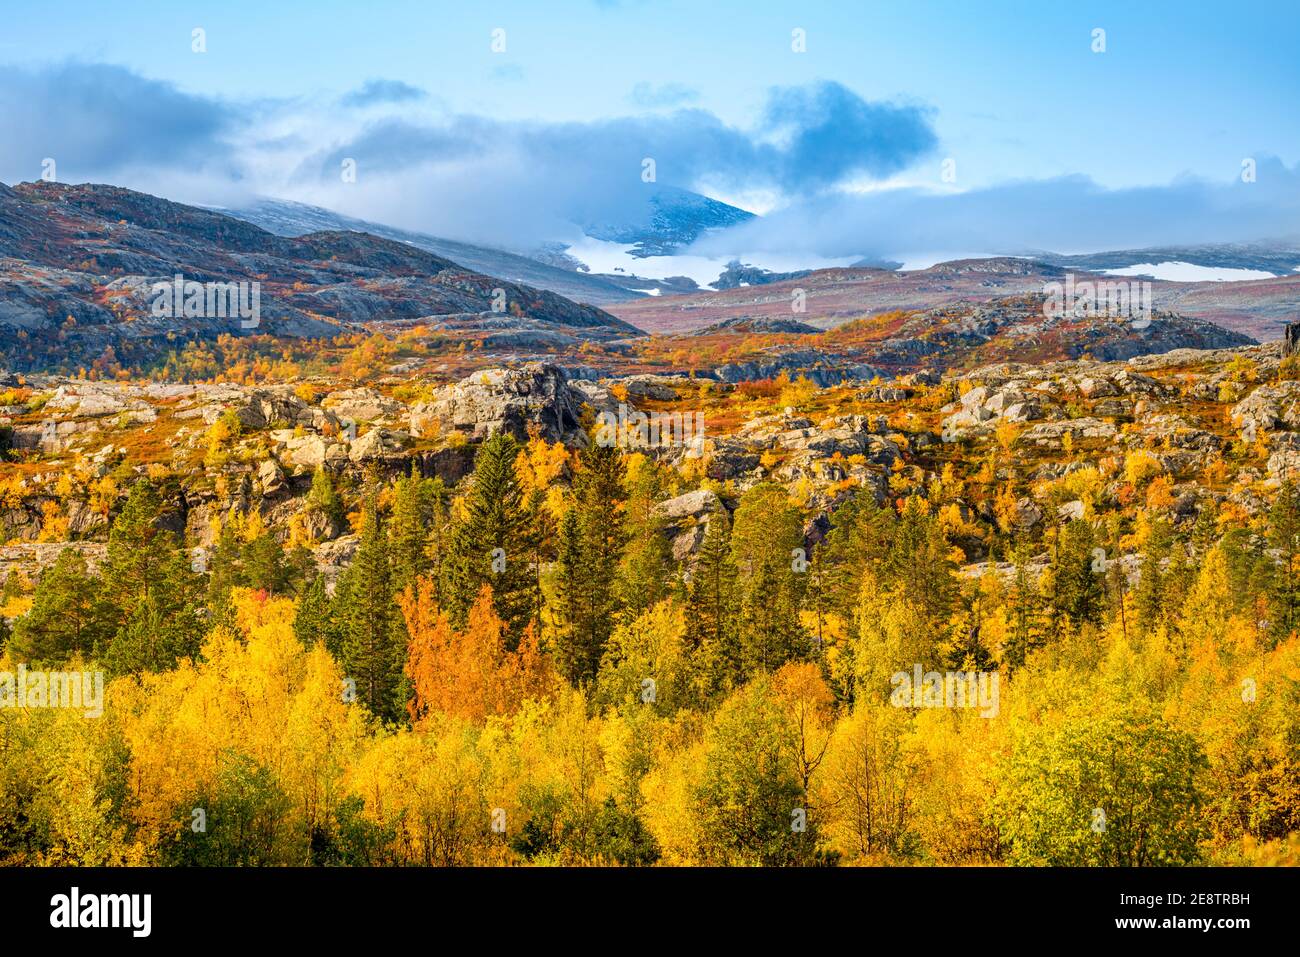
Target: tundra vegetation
[{"x": 504, "y": 645}]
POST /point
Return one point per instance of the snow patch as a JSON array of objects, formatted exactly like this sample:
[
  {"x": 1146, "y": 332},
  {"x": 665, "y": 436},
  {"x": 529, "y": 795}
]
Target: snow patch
[
  {"x": 601, "y": 256},
  {"x": 1174, "y": 271}
]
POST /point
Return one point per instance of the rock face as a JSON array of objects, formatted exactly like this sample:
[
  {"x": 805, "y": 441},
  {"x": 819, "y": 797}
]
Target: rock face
[
  {"x": 495, "y": 400},
  {"x": 1051, "y": 435},
  {"x": 687, "y": 519},
  {"x": 32, "y": 558},
  {"x": 1270, "y": 407},
  {"x": 361, "y": 405},
  {"x": 692, "y": 504}
]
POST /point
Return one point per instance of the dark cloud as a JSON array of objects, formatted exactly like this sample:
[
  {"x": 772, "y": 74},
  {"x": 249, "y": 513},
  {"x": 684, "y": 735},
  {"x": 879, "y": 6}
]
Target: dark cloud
[
  {"x": 95, "y": 120},
  {"x": 832, "y": 134},
  {"x": 811, "y": 138},
  {"x": 374, "y": 92}
]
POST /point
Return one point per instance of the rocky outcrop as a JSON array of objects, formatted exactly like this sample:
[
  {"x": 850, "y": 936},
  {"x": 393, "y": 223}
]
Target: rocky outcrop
[
  {"x": 362, "y": 406},
  {"x": 686, "y": 519},
  {"x": 509, "y": 400},
  {"x": 1269, "y": 407}
]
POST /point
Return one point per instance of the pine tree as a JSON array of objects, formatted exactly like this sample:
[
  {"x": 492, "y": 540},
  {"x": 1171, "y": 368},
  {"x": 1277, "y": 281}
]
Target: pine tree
[
  {"x": 1151, "y": 602},
  {"x": 266, "y": 567},
  {"x": 770, "y": 634},
  {"x": 313, "y": 621},
  {"x": 139, "y": 552},
  {"x": 490, "y": 545},
  {"x": 154, "y": 591},
  {"x": 711, "y": 643},
  {"x": 647, "y": 560},
  {"x": 1078, "y": 597},
  {"x": 373, "y": 649},
  {"x": 859, "y": 536},
  {"x": 767, "y": 545},
  {"x": 12, "y": 588},
  {"x": 224, "y": 567},
  {"x": 68, "y": 615},
  {"x": 324, "y": 498},
  {"x": 918, "y": 566},
  {"x": 416, "y": 528},
  {"x": 592, "y": 539},
  {"x": 1284, "y": 535},
  {"x": 1025, "y": 632},
  {"x": 153, "y": 638}
]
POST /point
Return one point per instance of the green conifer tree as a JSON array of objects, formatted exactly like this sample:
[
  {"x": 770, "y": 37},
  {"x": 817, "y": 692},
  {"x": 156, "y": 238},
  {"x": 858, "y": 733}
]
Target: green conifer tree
[
  {"x": 592, "y": 539},
  {"x": 373, "y": 647},
  {"x": 491, "y": 545},
  {"x": 68, "y": 614}
]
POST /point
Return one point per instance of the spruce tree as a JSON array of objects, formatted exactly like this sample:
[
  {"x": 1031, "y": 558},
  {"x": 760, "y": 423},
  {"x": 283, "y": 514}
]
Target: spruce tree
[
  {"x": 373, "y": 647},
  {"x": 592, "y": 539},
  {"x": 416, "y": 528},
  {"x": 68, "y": 614},
  {"x": 711, "y": 643},
  {"x": 491, "y": 543},
  {"x": 767, "y": 545}
]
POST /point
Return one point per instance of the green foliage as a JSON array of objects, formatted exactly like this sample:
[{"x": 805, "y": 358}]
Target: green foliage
[
  {"x": 712, "y": 640},
  {"x": 416, "y": 528},
  {"x": 68, "y": 615},
  {"x": 372, "y": 650},
  {"x": 155, "y": 594},
  {"x": 1078, "y": 596},
  {"x": 324, "y": 496},
  {"x": 729, "y": 709},
  {"x": 592, "y": 538},
  {"x": 242, "y": 821},
  {"x": 490, "y": 545},
  {"x": 750, "y": 802},
  {"x": 767, "y": 546},
  {"x": 1115, "y": 790}
]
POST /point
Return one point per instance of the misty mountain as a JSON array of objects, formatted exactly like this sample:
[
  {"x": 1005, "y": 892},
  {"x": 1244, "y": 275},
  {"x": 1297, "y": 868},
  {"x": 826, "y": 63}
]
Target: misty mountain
[
  {"x": 287, "y": 218},
  {"x": 668, "y": 220}
]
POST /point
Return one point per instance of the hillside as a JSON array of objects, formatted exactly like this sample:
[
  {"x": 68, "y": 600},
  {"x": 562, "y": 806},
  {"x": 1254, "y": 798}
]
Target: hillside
[
  {"x": 286, "y": 218},
  {"x": 79, "y": 264},
  {"x": 1257, "y": 308}
]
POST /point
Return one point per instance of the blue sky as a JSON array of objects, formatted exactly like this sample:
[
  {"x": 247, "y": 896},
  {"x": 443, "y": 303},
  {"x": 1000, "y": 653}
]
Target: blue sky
[{"x": 1011, "y": 92}]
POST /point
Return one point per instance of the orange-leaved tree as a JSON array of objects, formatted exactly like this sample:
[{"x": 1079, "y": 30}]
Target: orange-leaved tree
[{"x": 467, "y": 674}]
